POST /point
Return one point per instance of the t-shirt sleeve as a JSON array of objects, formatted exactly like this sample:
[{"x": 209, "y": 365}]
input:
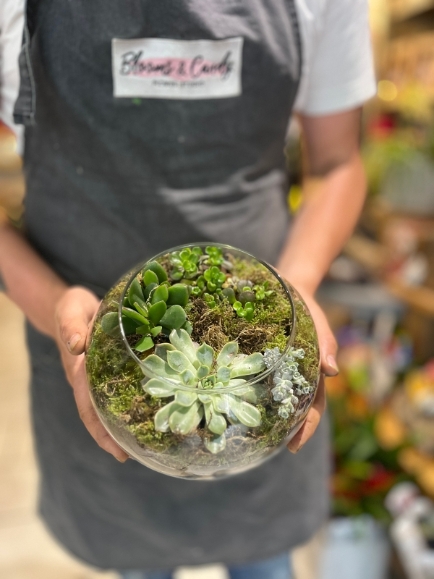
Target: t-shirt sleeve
[
  {"x": 11, "y": 33},
  {"x": 338, "y": 72}
]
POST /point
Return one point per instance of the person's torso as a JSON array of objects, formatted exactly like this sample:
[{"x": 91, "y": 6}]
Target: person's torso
[
  {"x": 136, "y": 174},
  {"x": 112, "y": 180}
]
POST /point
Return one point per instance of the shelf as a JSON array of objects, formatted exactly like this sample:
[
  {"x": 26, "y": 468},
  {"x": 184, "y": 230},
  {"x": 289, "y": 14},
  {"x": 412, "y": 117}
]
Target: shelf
[
  {"x": 402, "y": 10},
  {"x": 420, "y": 298}
]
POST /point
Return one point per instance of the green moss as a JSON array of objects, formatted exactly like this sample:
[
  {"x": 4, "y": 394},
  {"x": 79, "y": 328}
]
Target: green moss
[
  {"x": 115, "y": 381},
  {"x": 147, "y": 436},
  {"x": 273, "y": 429},
  {"x": 306, "y": 338},
  {"x": 252, "y": 270},
  {"x": 269, "y": 327}
]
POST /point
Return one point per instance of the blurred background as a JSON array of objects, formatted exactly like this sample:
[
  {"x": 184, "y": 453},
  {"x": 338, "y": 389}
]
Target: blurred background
[{"x": 379, "y": 297}]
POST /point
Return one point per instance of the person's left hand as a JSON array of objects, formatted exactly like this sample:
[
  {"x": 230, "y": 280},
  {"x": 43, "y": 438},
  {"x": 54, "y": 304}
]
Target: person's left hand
[{"x": 328, "y": 349}]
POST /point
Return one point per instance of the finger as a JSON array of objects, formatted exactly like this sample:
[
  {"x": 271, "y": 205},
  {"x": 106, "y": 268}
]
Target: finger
[
  {"x": 327, "y": 342},
  {"x": 73, "y": 316},
  {"x": 312, "y": 420},
  {"x": 90, "y": 418}
]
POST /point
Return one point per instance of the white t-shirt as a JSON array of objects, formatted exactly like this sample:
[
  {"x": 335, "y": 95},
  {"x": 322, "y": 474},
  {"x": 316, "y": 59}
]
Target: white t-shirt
[
  {"x": 338, "y": 71},
  {"x": 11, "y": 34}
]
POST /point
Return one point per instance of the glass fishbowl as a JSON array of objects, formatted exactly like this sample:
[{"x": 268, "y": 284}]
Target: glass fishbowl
[{"x": 202, "y": 362}]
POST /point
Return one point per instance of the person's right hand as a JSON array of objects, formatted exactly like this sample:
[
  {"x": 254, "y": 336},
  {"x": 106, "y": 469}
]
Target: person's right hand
[{"x": 74, "y": 313}]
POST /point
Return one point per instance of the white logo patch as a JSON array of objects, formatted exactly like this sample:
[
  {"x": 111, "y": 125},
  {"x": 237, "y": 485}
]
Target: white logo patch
[{"x": 177, "y": 69}]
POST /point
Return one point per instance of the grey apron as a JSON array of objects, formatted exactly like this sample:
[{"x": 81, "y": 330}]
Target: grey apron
[{"x": 112, "y": 181}]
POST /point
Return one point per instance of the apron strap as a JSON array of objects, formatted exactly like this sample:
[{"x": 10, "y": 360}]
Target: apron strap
[{"x": 25, "y": 105}]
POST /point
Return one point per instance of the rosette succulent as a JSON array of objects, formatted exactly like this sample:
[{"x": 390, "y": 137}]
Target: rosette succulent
[
  {"x": 185, "y": 263},
  {"x": 203, "y": 387}
]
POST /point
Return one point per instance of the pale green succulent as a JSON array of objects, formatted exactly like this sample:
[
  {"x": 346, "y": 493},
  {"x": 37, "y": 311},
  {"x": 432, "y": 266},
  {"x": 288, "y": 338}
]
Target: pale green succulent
[
  {"x": 288, "y": 383},
  {"x": 196, "y": 378}
]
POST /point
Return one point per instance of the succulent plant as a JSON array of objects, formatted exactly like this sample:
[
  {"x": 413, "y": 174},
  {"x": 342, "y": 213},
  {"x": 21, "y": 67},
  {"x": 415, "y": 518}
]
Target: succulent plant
[
  {"x": 185, "y": 263},
  {"x": 215, "y": 255},
  {"x": 196, "y": 379},
  {"x": 287, "y": 380},
  {"x": 261, "y": 291},
  {"x": 245, "y": 311},
  {"x": 150, "y": 308},
  {"x": 210, "y": 300}
]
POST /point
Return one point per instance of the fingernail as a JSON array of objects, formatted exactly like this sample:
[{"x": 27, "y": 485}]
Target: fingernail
[
  {"x": 296, "y": 449},
  {"x": 75, "y": 338},
  {"x": 123, "y": 459},
  {"x": 331, "y": 362}
]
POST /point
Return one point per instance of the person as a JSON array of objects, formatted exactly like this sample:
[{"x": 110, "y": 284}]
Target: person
[{"x": 148, "y": 125}]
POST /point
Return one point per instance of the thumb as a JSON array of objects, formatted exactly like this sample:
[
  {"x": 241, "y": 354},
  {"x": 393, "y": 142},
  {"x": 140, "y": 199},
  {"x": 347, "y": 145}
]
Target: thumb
[
  {"x": 73, "y": 313},
  {"x": 327, "y": 342}
]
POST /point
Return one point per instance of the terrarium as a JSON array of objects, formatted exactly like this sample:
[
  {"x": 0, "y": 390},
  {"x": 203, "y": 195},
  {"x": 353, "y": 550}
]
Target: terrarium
[{"x": 202, "y": 362}]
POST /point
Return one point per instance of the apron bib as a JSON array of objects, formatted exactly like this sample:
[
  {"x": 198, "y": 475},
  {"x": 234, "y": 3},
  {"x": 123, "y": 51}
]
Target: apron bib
[{"x": 115, "y": 179}]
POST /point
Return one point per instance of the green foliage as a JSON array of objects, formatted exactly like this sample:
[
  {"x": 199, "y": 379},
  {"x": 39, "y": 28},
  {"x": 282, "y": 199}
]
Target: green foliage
[
  {"x": 306, "y": 339},
  {"x": 245, "y": 311},
  {"x": 189, "y": 377},
  {"x": 209, "y": 300},
  {"x": 201, "y": 270},
  {"x": 178, "y": 294},
  {"x": 158, "y": 269},
  {"x": 229, "y": 294},
  {"x": 364, "y": 472},
  {"x": 115, "y": 382},
  {"x": 215, "y": 255},
  {"x": 150, "y": 308},
  {"x": 185, "y": 263},
  {"x": 262, "y": 291},
  {"x": 214, "y": 278}
]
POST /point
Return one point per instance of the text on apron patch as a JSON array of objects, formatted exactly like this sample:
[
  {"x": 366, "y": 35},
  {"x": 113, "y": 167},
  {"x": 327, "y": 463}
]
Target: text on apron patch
[{"x": 177, "y": 69}]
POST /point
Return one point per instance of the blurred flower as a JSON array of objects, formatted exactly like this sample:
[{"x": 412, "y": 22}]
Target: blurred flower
[{"x": 389, "y": 430}]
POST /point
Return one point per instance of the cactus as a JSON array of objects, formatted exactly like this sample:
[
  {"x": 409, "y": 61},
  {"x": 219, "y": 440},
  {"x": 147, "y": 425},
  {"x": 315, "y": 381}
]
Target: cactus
[{"x": 195, "y": 379}]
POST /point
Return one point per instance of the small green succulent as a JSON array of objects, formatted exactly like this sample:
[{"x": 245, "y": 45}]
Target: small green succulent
[
  {"x": 198, "y": 287},
  {"x": 195, "y": 378},
  {"x": 150, "y": 307},
  {"x": 211, "y": 281},
  {"x": 210, "y": 300},
  {"x": 215, "y": 255},
  {"x": 245, "y": 311},
  {"x": 214, "y": 278},
  {"x": 261, "y": 291},
  {"x": 185, "y": 263}
]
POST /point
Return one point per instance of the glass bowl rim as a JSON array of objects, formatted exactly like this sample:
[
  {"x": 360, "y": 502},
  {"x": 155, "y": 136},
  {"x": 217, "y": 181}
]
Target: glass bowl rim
[{"x": 260, "y": 377}]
